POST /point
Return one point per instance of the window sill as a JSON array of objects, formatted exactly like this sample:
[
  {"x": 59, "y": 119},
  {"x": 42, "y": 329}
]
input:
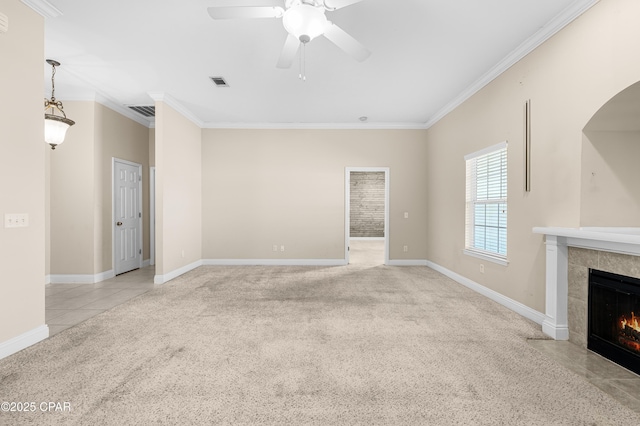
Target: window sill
[{"x": 485, "y": 256}]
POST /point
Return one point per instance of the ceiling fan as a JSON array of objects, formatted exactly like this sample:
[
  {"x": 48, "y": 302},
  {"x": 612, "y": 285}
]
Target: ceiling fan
[{"x": 304, "y": 20}]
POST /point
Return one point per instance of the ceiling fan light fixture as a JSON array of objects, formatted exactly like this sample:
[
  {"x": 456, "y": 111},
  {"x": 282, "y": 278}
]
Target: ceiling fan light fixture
[{"x": 305, "y": 22}]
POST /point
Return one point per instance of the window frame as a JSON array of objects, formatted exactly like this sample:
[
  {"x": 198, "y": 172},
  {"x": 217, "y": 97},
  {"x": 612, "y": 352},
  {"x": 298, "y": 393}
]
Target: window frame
[{"x": 471, "y": 202}]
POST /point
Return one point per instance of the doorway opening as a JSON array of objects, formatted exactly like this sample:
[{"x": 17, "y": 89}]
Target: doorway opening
[{"x": 367, "y": 215}]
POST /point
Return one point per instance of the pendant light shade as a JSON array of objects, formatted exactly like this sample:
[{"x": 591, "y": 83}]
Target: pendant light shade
[
  {"x": 55, "y": 129},
  {"x": 55, "y": 126}
]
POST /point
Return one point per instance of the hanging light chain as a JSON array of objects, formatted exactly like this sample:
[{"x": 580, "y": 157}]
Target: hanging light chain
[
  {"x": 52, "y": 103},
  {"x": 53, "y": 83}
]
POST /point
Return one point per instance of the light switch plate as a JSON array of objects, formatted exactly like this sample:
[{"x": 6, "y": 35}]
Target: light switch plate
[{"x": 16, "y": 220}]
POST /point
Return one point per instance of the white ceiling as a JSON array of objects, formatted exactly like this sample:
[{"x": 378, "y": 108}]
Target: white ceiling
[{"x": 427, "y": 56}]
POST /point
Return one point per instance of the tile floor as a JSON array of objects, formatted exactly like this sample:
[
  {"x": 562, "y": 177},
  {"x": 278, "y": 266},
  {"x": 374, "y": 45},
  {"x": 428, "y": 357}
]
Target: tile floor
[
  {"x": 618, "y": 382},
  {"x": 69, "y": 304}
]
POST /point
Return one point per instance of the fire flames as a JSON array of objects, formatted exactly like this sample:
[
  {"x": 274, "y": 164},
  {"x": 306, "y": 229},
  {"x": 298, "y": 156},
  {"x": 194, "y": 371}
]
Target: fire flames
[
  {"x": 630, "y": 332},
  {"x": 632, "y": 323}
]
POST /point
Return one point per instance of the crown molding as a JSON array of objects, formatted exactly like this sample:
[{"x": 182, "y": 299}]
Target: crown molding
[
  {"x": 316, "y": 126},
  {"x": 173, "y": 103},
  {"x": 112, "y": 105},
  {"x": 103, "y": 99},
  {"x": 122, "y": 110},
  {"x": 573, "y": 11},
  {"x": 44, "y": 8}
]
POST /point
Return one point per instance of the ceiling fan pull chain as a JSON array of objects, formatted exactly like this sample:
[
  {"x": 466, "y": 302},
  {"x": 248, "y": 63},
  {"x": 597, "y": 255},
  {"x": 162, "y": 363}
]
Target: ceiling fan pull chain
[
  {"x": 303, "y": 63},
  {"x": 300, "y": 62}
]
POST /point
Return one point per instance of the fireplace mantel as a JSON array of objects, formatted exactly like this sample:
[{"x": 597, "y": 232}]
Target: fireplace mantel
[{"x": 557, "y": 240}]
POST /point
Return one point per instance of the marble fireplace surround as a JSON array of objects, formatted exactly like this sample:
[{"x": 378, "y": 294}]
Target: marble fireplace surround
[{"x": 570, "y": 252}]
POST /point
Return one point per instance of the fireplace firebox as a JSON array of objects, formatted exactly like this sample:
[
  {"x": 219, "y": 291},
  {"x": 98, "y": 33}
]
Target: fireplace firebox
[{"x": 614, "y": 318}]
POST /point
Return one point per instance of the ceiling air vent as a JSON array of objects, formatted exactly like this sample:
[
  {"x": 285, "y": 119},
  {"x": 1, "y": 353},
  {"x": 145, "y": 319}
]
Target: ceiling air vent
[
  {"x": 219, "y": 81},
  {"x": 147, "y": 111}
]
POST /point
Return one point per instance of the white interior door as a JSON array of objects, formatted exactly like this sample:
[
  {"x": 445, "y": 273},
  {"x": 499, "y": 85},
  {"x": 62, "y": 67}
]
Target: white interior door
[{"x": 127, "y": 216}]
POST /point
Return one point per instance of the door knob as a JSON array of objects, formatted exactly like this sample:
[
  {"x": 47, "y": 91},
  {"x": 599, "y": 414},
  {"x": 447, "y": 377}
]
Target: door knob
[{"x": 119, "y": 223}]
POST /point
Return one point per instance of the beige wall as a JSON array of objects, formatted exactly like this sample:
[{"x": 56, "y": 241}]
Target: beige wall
[
  {"x": 287, "y": 187},
  {"x": 178, "y": 190},
  {"x": 610, "y": 177},
  {"x": 152, "y": 147},
  {"x": 81, "y": 187},
  {"x": 22, "y": 171},
  {"x": 72, "y": 194},
  {"x": 567, "y": 79}
]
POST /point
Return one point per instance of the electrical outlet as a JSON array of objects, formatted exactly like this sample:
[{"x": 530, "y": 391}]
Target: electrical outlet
[
  {"x": 16, "y": 220},
  {"x": 482, "y": 268},
  {"x": 281, "y": 248},
  {"x": 183, "y": 253},
  {"x": 405, "y": 249},
  {"x": 406, "y": 215},
  {"x": 275, "y": 247}
]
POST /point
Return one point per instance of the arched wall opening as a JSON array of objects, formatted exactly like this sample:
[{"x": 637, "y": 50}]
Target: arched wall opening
[{"x": 610, "y": 164}]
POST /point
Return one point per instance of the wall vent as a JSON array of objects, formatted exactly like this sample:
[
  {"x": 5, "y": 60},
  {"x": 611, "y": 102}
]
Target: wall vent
[
  {"x": 147, "y": 111},
  {"x": 4, "y": 23},
  {"x": 219, "y": 81}
]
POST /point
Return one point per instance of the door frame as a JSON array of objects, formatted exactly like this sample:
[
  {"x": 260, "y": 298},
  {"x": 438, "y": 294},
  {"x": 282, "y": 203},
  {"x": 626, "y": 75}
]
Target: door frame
[
  {"x": 152, "y": 215},
  {"x": 115, "y": 160},
  {"x": 347, "y": 210}
]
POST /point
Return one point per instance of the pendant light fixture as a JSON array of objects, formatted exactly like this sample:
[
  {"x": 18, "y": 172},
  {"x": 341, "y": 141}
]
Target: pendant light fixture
[{"x": 55, "y": 126}]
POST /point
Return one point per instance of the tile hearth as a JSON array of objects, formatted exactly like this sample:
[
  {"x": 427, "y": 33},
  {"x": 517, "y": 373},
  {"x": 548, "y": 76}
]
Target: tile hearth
[{"x": 618, "y": 382}]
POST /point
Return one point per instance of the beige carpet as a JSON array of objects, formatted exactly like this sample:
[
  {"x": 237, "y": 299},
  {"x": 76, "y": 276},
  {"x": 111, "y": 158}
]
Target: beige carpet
[{"x": 354, "y": 345}]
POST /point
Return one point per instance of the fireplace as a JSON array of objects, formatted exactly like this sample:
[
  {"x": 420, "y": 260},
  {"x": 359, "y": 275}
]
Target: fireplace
[{"x": 614, "y": 318}]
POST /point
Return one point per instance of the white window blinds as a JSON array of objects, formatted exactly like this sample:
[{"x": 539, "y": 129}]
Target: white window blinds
[{"x": 486, "y": 201}]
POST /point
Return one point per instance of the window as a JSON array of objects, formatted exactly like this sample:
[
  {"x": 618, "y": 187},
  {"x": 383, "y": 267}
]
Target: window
[{"x": 486, "y": 204}]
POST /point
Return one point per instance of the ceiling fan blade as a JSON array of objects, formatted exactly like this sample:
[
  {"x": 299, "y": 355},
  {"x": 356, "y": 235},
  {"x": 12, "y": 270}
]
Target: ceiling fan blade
[
  {"x": 289, "y": 51},
  {"x": 338, "y": 4},
  {"x": 345, "y": 42},
  {"x": 235, "y": 12}
]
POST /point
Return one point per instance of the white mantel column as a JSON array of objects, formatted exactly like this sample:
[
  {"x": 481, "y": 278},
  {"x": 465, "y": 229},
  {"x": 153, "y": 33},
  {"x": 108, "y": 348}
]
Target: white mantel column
[{"x": 556, "y": 322}]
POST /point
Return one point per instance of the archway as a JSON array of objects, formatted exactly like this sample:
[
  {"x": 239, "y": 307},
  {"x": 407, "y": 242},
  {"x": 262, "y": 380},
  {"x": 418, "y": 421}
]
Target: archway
[{"x": 610, "y": 163}]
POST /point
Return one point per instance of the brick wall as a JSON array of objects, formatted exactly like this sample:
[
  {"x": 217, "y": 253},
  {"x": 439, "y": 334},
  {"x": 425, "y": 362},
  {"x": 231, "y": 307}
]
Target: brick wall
[{"x": 367, "y": 204}]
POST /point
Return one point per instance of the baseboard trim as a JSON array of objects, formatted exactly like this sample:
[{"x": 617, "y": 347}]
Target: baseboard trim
[
  {"x": 79, "y": 278},
  {"x": 407, "y": 262},
  {"x": 102, "y": 276},
  {"x": 23, "y": 341},
  {"x": 556, "y": 332},
  {"x": 161, "y": 279},
  {"x": 505, "y": 301},
  {"x": 274, "y": 262},
  {"x": 146, "y": 263}
]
